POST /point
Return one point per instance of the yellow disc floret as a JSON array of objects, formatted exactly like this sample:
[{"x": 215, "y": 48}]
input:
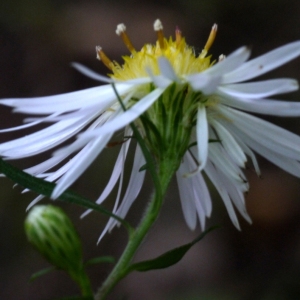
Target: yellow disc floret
[{"x": 181, "y": 56}]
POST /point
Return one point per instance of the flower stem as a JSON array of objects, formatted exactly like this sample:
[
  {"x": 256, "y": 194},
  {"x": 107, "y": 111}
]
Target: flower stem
[
  {"x": 84, "y": 283},
  {"x": 135, "y": 239}
]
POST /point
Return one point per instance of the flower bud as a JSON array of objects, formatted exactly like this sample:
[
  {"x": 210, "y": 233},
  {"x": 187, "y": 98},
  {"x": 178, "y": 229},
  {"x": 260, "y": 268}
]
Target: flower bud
[{"x": 50, "y": 230}]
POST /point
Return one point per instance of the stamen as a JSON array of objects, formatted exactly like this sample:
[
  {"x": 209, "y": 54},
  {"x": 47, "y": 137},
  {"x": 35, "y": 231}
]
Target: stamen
[
  {"x": 178, "y": 35},
  {"x": 102, "y": 56},
  {"x": 121, "y": 31},
  {"x": 160, "y": 35},
  {"x": 222, "y": 57},
  {"x": 210, "y": 41},
  {"x": 211, "y": 37}
]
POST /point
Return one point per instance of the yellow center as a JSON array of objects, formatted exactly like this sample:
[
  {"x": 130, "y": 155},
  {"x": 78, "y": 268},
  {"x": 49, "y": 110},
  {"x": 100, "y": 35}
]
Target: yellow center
[{"x": 181, "y": 56}]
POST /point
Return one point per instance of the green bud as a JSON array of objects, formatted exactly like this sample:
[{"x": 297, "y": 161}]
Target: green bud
[{"x": 52, "y": 233}]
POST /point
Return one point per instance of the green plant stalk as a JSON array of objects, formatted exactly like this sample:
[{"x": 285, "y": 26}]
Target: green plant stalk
[
  {"x": 122, "y": 268},
  {"x": 84, "y": 283}
]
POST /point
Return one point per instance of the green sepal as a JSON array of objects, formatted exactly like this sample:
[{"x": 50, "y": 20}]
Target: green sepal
[
  {"x": 41, "y": 273},
  {"x": 143, "y": 168},
  {"x": 169, "y": 258},
  {"x": 100, "y": 260}
]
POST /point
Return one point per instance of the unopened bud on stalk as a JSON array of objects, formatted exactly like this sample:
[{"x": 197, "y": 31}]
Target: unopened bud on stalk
[{"x": 50, "y": 230}]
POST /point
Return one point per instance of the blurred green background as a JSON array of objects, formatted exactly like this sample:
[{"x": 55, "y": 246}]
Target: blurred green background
[{"x": 38, "y": 40}]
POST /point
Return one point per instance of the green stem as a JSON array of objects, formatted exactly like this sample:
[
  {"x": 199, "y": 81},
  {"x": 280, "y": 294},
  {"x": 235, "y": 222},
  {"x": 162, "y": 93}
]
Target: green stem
[
  {"x": 85, "y": 285},
  {"x": 122, "y": 267}
]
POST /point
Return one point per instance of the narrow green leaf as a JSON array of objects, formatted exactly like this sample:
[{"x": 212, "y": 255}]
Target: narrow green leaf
[
  {"x": 169, "y": 258},
  {"x": 99, "y": 260},
  {"x": 45, "y": 188},
  {"x": 41, "y": 273}
]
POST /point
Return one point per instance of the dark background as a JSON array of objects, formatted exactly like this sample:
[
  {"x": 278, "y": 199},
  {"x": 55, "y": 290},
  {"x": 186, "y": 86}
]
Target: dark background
[{"x": 38, "y": 40}]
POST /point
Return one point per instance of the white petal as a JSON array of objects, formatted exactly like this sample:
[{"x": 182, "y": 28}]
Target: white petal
[
  {"x": 109, "y": 226},
  {"x": 118, "y": 168},
  {"x": 126, "y": 117},
  {"x": 270, "y": 135},
  {"x": 89, "y": 73},
  {"x": 186, "y": 196},
  {"x": 202, "y": 136},
  {"x": 134, "y": 185},
  {"x": 232, "y": 61},
  {"x": 194, "y": 194},
  {"x": 45, "y": 165},
  {"x": 260, "y": 89},
  {"x": 224, "y": 163},
  {"x": 32, "y": 123},
  {"x": 34, "y": 202},
  {"x": 250, "y": 153},
  {"x": 264, "y": 63},
  {"x": 230, "y": 144},
  {"x": 81, "y": 155},
  {"x": 102, "y": 96},
  {"x": 42, "y": 140},
  {"x": 133, "y": 189},
  {"x": 199, "y": 187},
  {"x": 116, "y": 172},
  {"x": 67, "y": 180},
  {"x": 236, "y": 196},
  {"x": 214, "y": 177},
  {"x": 207, "y": 84},
  {"x": 166, "y": 69},
  {"x": 289, "y": 165},
  {"x": 159, "y": 81},
  {"x": 264, "y": 106}
]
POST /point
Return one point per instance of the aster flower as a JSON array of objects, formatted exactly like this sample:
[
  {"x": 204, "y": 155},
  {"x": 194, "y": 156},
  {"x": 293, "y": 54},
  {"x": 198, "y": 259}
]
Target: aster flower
[{"x": 191, "y": 111}]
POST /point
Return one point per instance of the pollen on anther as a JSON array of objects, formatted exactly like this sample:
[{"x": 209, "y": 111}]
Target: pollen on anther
[
  {"x": 158, "y": 25},
  {"x": 98, "y": 49},
  {"x": 102, "y": 56},
  {"x": 222, "y": 57},
  {"x": 160, "y": 35},
  {"x": 121, "y": 31}
]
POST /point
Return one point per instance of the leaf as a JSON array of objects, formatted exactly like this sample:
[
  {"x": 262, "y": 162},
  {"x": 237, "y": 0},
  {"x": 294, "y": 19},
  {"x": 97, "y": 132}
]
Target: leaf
[
  {"x": 99, "y": 260},
  {"x": 169, "y": 258},
  {"x": 41, "y": 273},
  {"x": 45, "y": 188}
]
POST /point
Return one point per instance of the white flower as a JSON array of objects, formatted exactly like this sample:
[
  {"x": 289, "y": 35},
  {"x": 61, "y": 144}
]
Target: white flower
[{"x": 199, "y": 110}]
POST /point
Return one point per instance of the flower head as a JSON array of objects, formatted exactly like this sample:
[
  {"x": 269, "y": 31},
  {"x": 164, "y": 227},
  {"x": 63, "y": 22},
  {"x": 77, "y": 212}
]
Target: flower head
[
  {"x": 190, "y": 110},
  {"x": 52, "y": 233},
  {"x": 50, "y": 230}
]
